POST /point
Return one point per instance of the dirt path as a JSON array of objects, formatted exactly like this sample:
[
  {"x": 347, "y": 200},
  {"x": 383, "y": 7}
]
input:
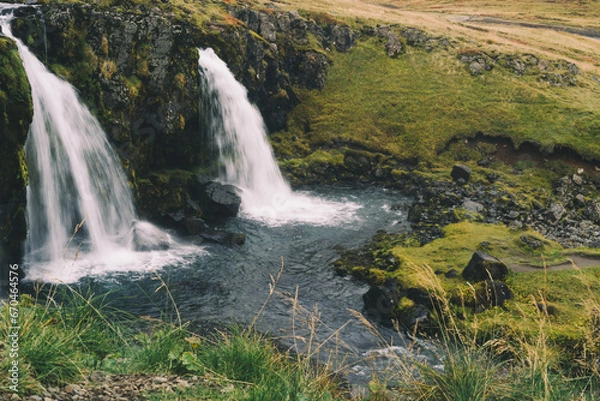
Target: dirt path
[
  {"x": 575, "y": 262},
  {"x": 588, "y": 33}
]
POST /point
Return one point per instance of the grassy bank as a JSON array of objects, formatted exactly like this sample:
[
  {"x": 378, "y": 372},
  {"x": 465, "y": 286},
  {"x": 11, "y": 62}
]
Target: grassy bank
[
  {"x": 66, "y": 335},
  {"x": 73, "y": 337}
]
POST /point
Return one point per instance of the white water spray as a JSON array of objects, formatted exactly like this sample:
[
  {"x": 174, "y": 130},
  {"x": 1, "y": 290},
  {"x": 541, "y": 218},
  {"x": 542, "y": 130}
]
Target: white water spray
[{"x": 247, "y": 159}]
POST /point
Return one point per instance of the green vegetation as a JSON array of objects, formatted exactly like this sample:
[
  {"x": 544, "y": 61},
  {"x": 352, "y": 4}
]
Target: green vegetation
[
  {"x": 412, "y": 106},
  {"x": 485, "y": 363},
  {"x": 66, "y": 334}
]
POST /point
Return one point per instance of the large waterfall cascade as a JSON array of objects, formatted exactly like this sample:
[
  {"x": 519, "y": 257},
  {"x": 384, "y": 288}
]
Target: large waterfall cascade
[
  {"x": 75, "y": 177},
  {"x": 247, "y": 159}
]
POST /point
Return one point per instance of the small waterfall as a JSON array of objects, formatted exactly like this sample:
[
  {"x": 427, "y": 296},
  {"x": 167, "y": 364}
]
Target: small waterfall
[
  {"x": 74, "y": 175},
  {"x": 246, "y": 157},
  {"x": 241, "y": 135}
]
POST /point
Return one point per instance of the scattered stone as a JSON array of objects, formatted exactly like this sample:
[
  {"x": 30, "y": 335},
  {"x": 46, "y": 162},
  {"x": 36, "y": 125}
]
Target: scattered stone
[
  {"x": 513, "y": 214},
  {"x": 531, "y": 242},
  {"x": 159, "y": 380},
  {"x": 555, "y": 213},
  {"x": 483, "y": 267},
  {"x": 577, "y": 179},
  {"x": 471, "y": 206},
  {"x": 515, "y": 225},
  {"x": 592, "y": 211},
  {"x": 72, "y": 389},
  {"x": 461, "y": 174},
  {"x": 579, "y": 200},
  {"x": 452, "y": 273}
]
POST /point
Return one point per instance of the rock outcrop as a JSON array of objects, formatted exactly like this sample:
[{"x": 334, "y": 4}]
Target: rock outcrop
[{"x": 15, "y": 116}]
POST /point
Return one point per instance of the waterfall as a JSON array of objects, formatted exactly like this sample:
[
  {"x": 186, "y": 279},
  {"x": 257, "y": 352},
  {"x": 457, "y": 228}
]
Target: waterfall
[
  {"x": 240, "y": 134},
  {"x": 246, "y": 158},
  {"x": 74, "y": 175}
]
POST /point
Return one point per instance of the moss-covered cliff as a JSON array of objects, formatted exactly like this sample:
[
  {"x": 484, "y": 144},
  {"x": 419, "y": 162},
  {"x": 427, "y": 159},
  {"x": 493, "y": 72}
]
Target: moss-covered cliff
[{"x": 15, "y": 115}]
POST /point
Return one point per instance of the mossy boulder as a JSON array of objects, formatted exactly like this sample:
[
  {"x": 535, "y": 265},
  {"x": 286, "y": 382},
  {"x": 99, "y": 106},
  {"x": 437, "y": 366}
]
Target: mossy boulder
[
  {"x": 16, "y": 112},
  {"x": 483, "y": 267}
]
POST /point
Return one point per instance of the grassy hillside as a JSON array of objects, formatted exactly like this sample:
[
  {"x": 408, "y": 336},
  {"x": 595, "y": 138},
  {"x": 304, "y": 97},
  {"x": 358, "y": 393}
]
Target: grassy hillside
[{"x": 413, "y": 105}]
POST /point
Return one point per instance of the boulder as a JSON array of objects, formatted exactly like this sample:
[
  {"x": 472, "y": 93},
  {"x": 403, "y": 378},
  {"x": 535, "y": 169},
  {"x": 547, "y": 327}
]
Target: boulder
[
  {"x": 492, "y": 293},
  {"x": 343, "y": 38},
  {"x": 483, "y": 267},
  {"x": 147, "y": 237},
  {"x": 221, "y": 200},
  {"x": 461, "y": 174},
  {"x": 216, "y": 200},
  {"x": 381, "y": 300}
]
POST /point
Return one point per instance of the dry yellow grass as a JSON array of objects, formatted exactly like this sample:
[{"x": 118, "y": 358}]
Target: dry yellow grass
[{"x": 466, "y": 20}]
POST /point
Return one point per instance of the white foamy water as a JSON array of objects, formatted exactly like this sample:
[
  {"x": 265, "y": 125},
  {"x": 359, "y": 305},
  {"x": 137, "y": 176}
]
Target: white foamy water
[
  {"x": 76, "y": 180},
  {"x": 73, "y": 267},
  {"x": 247, "y": 159}
]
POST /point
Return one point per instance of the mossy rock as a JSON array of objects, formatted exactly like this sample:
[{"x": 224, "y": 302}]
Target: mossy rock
[{"x": 16, "y": 111}]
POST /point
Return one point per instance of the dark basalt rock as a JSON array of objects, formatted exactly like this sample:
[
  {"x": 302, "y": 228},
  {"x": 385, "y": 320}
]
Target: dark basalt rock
[
  {"x": 592, "y": 211},
  {"x": 380, "y": 302},
  {"x": 343, "y": 38},
  {"x": 491, "y": 294},
  {"x": 194, "y": 225},
  {"x": 460, "y": 174},
  {"x": 220, "y": 200},
  {"x": 483, "y": 267},
  {"x": 531, "y": 242},
  {"x": 414, "y": 316}
]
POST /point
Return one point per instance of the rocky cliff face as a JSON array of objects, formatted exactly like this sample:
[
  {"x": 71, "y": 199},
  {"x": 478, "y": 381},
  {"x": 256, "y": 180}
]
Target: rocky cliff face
[
  {"x": 136, "y": 67},
  {"x": 15, "y": 116}
]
